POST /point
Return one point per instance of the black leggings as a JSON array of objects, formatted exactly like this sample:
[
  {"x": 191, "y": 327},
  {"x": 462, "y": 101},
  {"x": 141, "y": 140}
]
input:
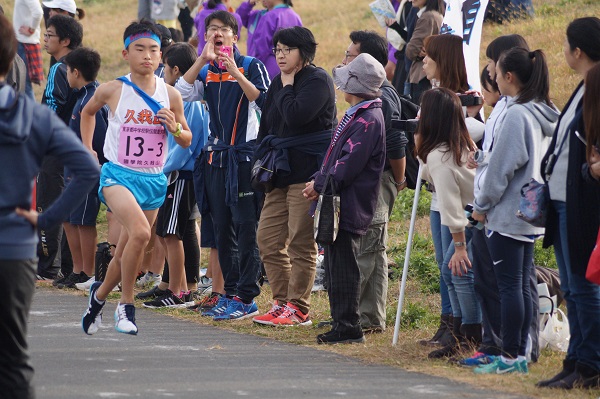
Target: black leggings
[{"x": 512, "y": 262}]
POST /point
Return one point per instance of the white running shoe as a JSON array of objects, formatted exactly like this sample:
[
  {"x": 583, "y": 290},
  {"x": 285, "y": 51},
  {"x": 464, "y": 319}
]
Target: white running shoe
[
  {"x": 86, "y": 286},
  {"x": 148, "y": 280},
  {"x": 125, "y": 319}
]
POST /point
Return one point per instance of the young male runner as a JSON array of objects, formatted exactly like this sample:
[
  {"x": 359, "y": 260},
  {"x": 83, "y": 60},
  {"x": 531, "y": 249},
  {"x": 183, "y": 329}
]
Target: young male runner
[
  {"x": 132, "y": 183},
  {"x": 234, "y": 94}
]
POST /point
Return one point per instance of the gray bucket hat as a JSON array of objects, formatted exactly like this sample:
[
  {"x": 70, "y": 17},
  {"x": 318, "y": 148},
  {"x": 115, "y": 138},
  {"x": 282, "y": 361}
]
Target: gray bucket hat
[{"x": 362, "y": 77}]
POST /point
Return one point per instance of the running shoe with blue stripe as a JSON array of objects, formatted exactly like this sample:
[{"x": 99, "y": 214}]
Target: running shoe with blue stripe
[
  {"x": 125, "y": 319},
  {"x": 478, "y": 359},
  {"x": 219, "y": 308},
  {"x": 237, "y": 310}
]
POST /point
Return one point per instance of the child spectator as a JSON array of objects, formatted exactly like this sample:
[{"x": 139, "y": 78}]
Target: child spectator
[{"x": 83, "y": 65}]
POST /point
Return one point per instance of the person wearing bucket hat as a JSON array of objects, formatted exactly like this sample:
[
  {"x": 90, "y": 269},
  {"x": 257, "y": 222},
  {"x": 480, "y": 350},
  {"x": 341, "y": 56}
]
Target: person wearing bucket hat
[{"x": 354, "y": 163}]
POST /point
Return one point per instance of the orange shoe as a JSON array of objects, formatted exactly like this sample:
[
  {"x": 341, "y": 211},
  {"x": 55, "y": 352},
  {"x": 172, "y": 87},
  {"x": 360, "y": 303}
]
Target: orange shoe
[
  {"x": 268, "y": 317},
  {"x": 292, "y": 316}
]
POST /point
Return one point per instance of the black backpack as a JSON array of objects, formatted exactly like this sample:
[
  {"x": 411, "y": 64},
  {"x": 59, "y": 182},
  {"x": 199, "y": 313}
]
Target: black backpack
[
  {"x": 103, "y": 258},
  {"x": 409, "y": 110}
]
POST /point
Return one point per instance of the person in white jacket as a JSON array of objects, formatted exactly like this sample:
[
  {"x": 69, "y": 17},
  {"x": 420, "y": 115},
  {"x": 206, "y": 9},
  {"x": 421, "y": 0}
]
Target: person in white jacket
[{"x": 27, "y": 16}]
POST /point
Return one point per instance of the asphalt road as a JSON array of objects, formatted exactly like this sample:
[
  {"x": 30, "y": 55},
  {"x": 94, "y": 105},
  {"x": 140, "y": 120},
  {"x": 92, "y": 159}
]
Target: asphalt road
[{"x": 179, "y": 359}]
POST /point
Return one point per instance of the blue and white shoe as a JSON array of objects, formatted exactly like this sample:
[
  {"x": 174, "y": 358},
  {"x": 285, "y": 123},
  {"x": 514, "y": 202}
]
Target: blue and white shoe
[
  {"x": 478, "y": 359},
  {"x": 237, "y": 310},
  {"x": 92, "y": 318},
  {"x": 125, "y": 319},
  {"x": 219, "y": 308}
]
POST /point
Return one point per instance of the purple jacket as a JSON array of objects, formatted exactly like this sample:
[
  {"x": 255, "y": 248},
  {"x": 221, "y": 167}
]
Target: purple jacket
[
  {"x": 199, "y": 23},
  {"x": 262, "y": 26},
  {"x": 355, "y": 163}
]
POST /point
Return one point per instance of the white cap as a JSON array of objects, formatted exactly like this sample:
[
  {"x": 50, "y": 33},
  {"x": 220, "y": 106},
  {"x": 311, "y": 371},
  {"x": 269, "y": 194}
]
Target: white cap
[{"x": 66, "y": 5}]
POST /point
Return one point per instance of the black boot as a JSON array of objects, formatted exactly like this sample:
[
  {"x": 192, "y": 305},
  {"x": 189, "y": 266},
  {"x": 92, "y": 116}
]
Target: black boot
[
  {"x": 454, "y": 346},
  {"x": 445, "y": 327},
  {"x": 568, "y": 369},
  {"x": 583, "y": 377},
  {"x": 472, "y": 334}
]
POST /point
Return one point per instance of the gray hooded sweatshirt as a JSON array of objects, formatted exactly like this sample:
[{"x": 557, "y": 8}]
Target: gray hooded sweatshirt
[{"x": 522, "y": 140}]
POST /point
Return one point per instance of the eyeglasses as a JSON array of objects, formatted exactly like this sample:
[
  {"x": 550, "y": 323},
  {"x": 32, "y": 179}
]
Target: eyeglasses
[
  {"x": 222, "y": 29},
  {"x": 48, "y": 35},
  {"x": 348, "y": 55},
  {"x": 284, "y": 51}
]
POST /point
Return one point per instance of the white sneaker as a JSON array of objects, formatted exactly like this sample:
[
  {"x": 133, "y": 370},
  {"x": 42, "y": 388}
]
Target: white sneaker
[
  {"x": 148, "y": 280},
  {"x": 125, "y": 319},
  {"x": 86, "y": 286}
]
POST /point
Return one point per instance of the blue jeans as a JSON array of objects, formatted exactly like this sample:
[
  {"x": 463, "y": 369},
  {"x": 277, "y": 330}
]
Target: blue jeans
[
  {"x": 583, "y": 300},
  {"x": 512, "y": 262},
  {"x": 461, "y": 289},
  {"x": 441, "y": 239},
  {"x": 28, "y": 87}
]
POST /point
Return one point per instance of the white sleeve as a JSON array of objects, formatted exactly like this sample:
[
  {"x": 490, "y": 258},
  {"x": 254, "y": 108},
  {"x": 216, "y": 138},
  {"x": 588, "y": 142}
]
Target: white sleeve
[
  {"x": 475, "y": 128},
  {"x": 190, "y": 92}
]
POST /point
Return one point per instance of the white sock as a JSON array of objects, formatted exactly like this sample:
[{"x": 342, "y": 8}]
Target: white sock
[
  {"x": 508, "y": 360},
  {"x": 98, "y": 300},
  {"x": 521, "y": 358}
]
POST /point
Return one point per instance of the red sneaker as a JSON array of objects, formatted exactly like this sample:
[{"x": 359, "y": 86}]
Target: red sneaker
[
  {"x": 292, "y": 316},
  {"x": 268, "y": 317}
]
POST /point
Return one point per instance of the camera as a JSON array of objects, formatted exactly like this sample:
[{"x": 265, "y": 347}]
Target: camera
[
  {"x": 468, "y": 100},
  {"x": 481, "y": 157},
  {"x": 469, "y": 215},
  {"x": 408, "y": 125}
]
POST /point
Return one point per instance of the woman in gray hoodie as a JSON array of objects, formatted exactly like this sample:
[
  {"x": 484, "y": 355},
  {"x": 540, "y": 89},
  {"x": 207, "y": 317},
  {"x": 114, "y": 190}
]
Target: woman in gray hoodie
[{"x": 524, "y": 136}]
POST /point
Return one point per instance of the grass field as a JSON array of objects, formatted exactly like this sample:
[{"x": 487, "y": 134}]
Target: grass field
[{"x": 331, "y": 21}]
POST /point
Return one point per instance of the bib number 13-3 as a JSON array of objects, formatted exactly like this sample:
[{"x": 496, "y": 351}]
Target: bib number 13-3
[{"x": 142, "y": 146}]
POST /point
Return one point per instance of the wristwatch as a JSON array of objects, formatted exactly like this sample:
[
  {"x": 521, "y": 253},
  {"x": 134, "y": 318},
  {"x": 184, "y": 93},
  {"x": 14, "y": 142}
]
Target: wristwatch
[
  {"x": 460, "y": 244},
  {"x": 177, "y": 132}
]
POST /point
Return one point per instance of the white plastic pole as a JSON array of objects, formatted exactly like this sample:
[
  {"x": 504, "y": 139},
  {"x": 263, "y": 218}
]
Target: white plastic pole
[{"x": 411, "y": 230}]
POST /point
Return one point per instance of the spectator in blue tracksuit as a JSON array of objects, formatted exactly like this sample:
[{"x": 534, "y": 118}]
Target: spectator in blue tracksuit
[{"x": 235, "y": 94}]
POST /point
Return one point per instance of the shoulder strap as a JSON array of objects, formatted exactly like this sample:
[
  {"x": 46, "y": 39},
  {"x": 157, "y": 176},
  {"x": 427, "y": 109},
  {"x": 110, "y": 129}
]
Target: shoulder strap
[
  {"x": 203, "y": 73},
  {"x": 154, "y": 105},
  {"x": 246, "y": 65}
]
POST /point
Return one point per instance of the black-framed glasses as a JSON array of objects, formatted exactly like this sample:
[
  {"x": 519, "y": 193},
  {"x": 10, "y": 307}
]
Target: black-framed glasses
[
  {"x": 348, "y": 55},
  {"x": 284, "y": 51},
  {"x": 223, "y": 29},
  {"x": 49, "y": 35}
]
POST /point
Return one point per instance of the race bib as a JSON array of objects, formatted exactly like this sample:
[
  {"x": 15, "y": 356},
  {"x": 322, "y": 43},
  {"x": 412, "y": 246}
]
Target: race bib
[{"x": 142, "y": 146}]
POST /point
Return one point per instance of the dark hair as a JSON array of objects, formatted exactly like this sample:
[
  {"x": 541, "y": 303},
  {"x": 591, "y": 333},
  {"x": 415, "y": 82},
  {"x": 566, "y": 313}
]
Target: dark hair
[
  {"x": 487, "y": 82},
  {"x": 372, "y": 43},
  {"x": 503, "y": 43},
  {"x": 532, "y": 71},
  {"x": 447, "y": 52},
  {"x": 181, "y": 55},
  {"x": 288, "y": 2},
  {"x": 584, "y": 33},
  {"x": 298, "y": 36},
  {"x": 80, "y": 13},
  {"x": 210, "y": 4},
  {"x": 8, "y": 45},
  {"x": 86, "y": 60},
  {"x": 224, "y": 16},
  {"x": 436, "y": 5},
  {"x": 442, "y": 122},
  {"x": 143, "y": 26},
  {"x": 67, "y": 28},
  {"x": 165, "y": 36},
  {"x": 176, "y": 35},
  {"x": 591, "y": 105}
]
